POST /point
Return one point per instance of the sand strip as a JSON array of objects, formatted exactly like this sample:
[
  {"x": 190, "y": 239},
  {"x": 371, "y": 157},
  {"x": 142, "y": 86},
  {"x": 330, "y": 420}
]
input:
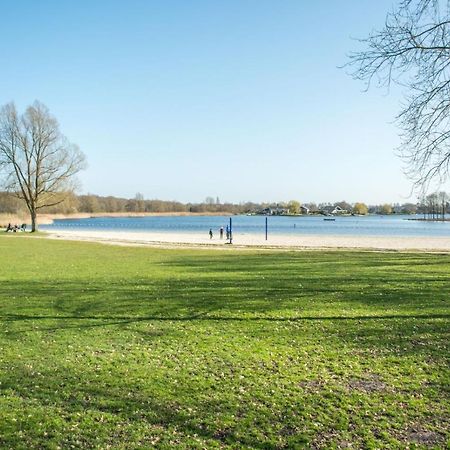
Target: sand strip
[{"x": 252, "y": 240}]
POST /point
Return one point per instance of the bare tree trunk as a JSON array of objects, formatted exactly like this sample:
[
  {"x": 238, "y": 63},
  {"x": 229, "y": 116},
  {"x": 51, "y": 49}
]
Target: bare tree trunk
[{"x": 33, "y": 220}]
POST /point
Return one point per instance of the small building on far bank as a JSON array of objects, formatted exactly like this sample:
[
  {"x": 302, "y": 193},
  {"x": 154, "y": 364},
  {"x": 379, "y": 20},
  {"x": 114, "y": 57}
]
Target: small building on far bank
[
  {"x": 277, "y": 211},
  {"x": 333, "y": 210}
]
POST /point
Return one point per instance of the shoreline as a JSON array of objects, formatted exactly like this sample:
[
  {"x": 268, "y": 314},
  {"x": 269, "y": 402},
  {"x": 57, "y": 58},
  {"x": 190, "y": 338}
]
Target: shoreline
[
  {"x": 304, "y": 242},
  {"x": 48, "y": 219}
]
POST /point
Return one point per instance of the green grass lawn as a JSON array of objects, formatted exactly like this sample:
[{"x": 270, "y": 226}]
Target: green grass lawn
[{"x": 121, "y": 347}]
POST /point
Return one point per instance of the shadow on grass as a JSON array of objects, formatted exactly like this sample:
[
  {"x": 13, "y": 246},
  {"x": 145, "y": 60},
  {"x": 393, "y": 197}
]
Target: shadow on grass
[
  {"x": 424, "y": 334},
  {"x": 291, "y": 297},
  {"x": 280, "y": 287},
  {"x": 100, "y": 394},
  {"x": 147, "y": 407},
  {"x": 370, "y": 303},
  {"x": 204, "y": 317},
  {"x": 309, "y": 261}
]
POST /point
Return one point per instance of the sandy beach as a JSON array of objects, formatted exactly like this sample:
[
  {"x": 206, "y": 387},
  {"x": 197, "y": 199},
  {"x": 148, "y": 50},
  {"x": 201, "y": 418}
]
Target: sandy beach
[{"x": 252, "y": 240}]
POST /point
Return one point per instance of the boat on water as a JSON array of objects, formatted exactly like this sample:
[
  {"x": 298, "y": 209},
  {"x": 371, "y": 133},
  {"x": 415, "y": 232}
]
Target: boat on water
[{"x": 330, "y": 219}]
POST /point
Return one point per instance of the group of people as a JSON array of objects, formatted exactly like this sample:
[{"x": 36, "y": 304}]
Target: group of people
[
  {"x": 221, "y": 230},
  {"x": 16, "y": 227}
]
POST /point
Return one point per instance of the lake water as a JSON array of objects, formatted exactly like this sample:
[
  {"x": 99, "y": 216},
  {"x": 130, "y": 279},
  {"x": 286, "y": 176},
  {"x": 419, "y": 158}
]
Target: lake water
[{"x": 394, "y": 225}]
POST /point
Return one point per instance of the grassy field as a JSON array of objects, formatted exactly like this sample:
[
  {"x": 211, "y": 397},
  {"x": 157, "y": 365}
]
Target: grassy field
[{"x": 116, "y": 347}]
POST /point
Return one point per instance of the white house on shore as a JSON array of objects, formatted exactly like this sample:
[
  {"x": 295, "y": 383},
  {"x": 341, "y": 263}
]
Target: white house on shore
[{"x": 333, "y": 210}]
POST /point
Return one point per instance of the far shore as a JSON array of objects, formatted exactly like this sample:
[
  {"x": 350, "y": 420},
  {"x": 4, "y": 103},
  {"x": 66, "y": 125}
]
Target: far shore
[
  {"x": 241, "y": 240},
  {"x": 48, "y": 219}
]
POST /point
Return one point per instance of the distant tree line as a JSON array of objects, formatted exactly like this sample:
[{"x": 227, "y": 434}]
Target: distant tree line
[
  {"x": 432, "y": 206},
  {"x": 435, "y": 206},
  {"x": 90, "y": 203}
]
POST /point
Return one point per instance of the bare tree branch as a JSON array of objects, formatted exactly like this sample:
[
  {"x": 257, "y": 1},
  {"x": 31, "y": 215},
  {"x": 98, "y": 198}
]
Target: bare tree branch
[{"x": 413, "y": 50}]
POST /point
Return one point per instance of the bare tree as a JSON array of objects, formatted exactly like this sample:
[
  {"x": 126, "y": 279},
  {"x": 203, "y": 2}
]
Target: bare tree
[
  {"x": 432, "y": 202},
  {"x": 443, "y": 200},
  {"x": 37, "y": 161},
  {"x": 413, "y": 50}
]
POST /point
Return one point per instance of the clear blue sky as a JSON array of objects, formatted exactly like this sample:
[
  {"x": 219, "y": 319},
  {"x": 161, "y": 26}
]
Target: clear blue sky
[{"x": 181, "y": 100}]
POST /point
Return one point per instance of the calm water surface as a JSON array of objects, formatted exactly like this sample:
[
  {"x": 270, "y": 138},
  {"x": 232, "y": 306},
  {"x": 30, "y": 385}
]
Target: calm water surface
[{"x": 350, "y": 226}]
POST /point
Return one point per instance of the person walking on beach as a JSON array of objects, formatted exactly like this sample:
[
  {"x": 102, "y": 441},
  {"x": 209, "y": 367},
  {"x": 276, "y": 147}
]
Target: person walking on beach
[
  {"x": 210, "y": 233},
  {"x": 228, "y": 232},
  {"x": 221, "y": 232}
]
